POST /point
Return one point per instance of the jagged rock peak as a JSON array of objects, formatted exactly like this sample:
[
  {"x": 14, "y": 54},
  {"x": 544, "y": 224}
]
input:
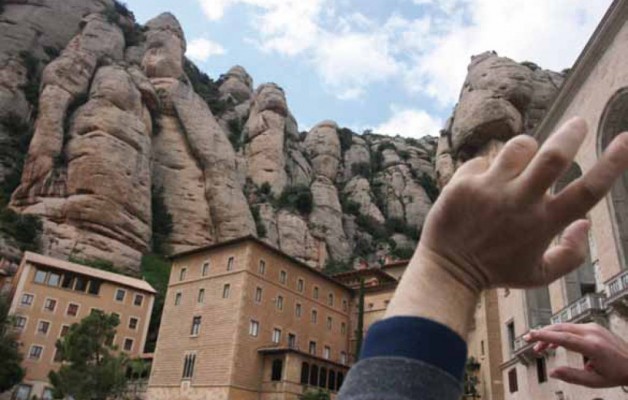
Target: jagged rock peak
[
  {"x": 166, "y": 22},
  {"x": 236, "y": 84}
]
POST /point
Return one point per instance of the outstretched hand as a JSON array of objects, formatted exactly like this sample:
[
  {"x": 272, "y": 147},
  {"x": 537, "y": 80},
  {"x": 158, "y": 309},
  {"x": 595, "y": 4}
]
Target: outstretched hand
[
  {"x": 494, "y": 222},
  {"x": 607, "y": 354}
]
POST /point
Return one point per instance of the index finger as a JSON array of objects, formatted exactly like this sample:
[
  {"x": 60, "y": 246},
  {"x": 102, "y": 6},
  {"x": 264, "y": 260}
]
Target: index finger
[
  {"x": 580, "y": 196},
  {"x": 567, "y": 340}
]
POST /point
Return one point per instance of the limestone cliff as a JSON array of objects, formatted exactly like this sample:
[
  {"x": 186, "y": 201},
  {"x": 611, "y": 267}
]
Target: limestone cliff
[{"x": 121, "y": 146}]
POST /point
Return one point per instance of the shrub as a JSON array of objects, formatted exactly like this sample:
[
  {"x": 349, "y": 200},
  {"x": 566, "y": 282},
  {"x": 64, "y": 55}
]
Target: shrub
[
  {"x": 259, "y": 225},
  {"x": 122, "y": 9},
  {"x": 111, "y": 15},
  {"x": 98, "y": 263},
  {"x": 156, "y": 271},
  {"x": 404, "y": 154},
  {"x": 362, "y": 168},
  {"x": 379, "y": 196},
  {"x": 363, "y": 247},
  {"x": 403, "y": 253},
  {"x": 31, "y": 87},
  {"x": 372, "y": 227},
  {"x": 15, "y": 153},
  {"x": 429, "y": 184},
  {"x": 205, "y": 87},
  {"x": 335, "y": 267},
  {"x": 161, "y": 220},
  {"x": 51, "y": 52},
  {"x": 350, "y": 207},
  {"x": 24, "y": 229},
  {"x": 377, "y": 161},
  {"x": 345, "y": 135},
  {"x": 297, "y": 197},
  {"x": 386, "y": 146},
  {"x": 235, "y": 133},
  {"x": 265, "y": 189},
  {"x": 133, "y": 36}
]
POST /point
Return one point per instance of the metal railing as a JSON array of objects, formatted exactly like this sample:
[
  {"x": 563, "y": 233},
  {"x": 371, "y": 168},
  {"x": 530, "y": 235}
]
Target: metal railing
[
  {"x": 591, "y": 302},
  {"x": 617, "y": 285}
]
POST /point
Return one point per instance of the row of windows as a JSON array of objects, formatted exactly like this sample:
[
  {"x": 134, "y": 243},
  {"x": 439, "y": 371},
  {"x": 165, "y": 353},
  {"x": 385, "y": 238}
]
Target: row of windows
[
  {"x": 200, "y": 297},
  {"x": 541, "y": 375},
  {"x": 36, "y": 351},
  {"x": 68, "y": 280},
  {"x": 314, "y": 376},
  {"x": 43, "y": 326},
  {"x": 283, "y": 279},
  {"x": 50, "y": 305},
  {"x": 254, "y": 329}
]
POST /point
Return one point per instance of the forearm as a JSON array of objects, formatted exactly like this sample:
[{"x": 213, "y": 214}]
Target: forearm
[{"x": 428, "y": 291}]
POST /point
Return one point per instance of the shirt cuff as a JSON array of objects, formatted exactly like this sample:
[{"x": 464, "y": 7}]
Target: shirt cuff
[{"x": 419, "y": 339}]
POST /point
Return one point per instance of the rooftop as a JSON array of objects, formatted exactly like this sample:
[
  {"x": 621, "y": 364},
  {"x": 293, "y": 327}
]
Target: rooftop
[
  {"x": 253, "y": 239},
  {"x": 119, "y": 279}
]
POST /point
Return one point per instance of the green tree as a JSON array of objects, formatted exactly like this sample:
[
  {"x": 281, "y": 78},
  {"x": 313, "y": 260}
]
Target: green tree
[
  {"x": 318, "y": 394},
  {"x": 156, "y": 270},
  {"x": 11, "y": 372},
  {"x": 359, "y": 332},
  {"x": 90, "y": 371},
  {"x": 470, "y": 381}
]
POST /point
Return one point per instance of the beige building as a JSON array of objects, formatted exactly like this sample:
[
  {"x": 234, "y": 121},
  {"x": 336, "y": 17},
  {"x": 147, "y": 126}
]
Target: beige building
[
  {"x": 596, "y": 89},
  {"x": 49, "y": 295},
  {"x": 243, "y": 320}
]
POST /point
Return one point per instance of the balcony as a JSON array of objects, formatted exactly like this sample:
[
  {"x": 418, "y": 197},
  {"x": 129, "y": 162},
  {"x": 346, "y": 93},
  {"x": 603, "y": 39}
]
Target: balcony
[
  {"x": 523, "y": 350},
  {"x": 617, "y": 291},
  {"x": 584, "y": 309}
]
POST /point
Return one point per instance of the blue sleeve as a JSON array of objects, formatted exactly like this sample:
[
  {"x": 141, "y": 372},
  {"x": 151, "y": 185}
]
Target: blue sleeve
[{"x": 417, "y": 339}]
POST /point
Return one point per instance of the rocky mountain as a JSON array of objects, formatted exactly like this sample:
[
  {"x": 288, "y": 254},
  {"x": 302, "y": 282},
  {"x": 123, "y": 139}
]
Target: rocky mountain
[{"x": 113, "y": 145}]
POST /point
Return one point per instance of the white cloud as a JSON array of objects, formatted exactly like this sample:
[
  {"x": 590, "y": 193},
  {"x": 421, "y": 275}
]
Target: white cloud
[
  {"x": 200, "y": 49},
  {"x": 409, "y": 122}
]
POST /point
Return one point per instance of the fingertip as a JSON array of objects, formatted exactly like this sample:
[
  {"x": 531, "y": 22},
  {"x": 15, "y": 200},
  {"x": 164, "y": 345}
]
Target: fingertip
[{"x": 578, "y": 123}]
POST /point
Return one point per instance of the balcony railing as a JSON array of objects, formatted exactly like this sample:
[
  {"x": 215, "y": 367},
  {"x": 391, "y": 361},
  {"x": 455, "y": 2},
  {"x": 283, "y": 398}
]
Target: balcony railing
[
  {"x": 617, "y": 288},
  {"x": 524, "y": 350},
  {"x": 581, "y": 309}
]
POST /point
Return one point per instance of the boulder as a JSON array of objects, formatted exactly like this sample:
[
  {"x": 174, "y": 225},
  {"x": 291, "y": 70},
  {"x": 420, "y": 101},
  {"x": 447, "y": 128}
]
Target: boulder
[{"x": 322, "y": 147}]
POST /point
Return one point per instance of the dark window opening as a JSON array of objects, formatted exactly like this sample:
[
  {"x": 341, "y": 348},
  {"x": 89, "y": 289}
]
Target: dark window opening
[
  {"x": 512, "y": 381},
  {"x": 314, "y": 375},
  {"x": 541, "y": 370},
  {"x": 332, "y": 380},
  {"x": 276, "y": 370},
  {"x": 341, "y": 378},
  {"x": 322, "y": 381},
  {"x": 305, "y": 373}
]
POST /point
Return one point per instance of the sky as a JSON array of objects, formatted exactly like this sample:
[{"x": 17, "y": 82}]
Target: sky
[{"x": 393, "y": 66}]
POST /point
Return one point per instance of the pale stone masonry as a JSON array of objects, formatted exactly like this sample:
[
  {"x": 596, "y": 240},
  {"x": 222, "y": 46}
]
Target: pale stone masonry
[
  {"x": 49, "y": 295},
  {"x": 243, "y": 320}
]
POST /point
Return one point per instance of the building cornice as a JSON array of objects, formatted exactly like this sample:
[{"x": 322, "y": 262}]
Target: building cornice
[{"x": 603, "y": 36}]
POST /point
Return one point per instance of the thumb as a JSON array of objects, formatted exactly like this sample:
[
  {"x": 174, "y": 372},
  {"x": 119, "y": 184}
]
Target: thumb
[
  {"x": 579, "y": 377},
  {"x": 569, "y": 253}
]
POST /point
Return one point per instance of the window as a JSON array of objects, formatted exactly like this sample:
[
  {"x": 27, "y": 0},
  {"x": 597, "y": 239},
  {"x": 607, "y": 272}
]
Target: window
[
  {"x": 64, "y": 330},
  {"x": 254, "y": 328},
  {"x": 330, "y": 300},
  {"x": 53, "y": 279},
  {"x": 120, "y": 294},
  {"x": 332, "y": 380},
  {"x": 510, "y": 328},
  {"x": 23, "y": 392},
  {"x": 58, "y": 357},
  {"x": 283, "y": 277},
  {"x": 43, "y": 327},
  {"x": 276, "y": 370},
  {"x": 20, "y": 322},
  {"x": 35, "y": 353},
  {"x": 512, "y": 380},
  {"x": 138, "y": 300},
  {"x": 314, "y": 375},
  {"x": 276, "y": 335},
  {"x": 225, "y": 291},
  {"x": 329, "y": 323},
  {"x": 262, "y": 267},
  {"x": 68, "y": 281},
  {"x": 177, "y": 299},
  {"x": 312, "y": 347},
  {"x": 196, "y": 326},
  {"x": 305, "y": 373},
  {"x": 128, "y": 344},
  {"x": 345, "y": 305},
  {"x": 230, "y": 262},
  {"x": 292, "y": 341},
  {"x": 205, "y": 268},
  {"x": 280, "y": 303},
  {"x": 314, "y": 316},
  {"x": 322, "y": 380},
  {"x": 343, "y": 357},
  {"x": 133, "y": 323},
  {"x": 94, "y": 287},
  {"x": 297, "y": 310},
  {"x": 183, "y": 273},
  {"x": 201, "y": 296},
  {"x": 339, "y": 379},
  {"x": 326, "y": 352},
  {"x": 343, "y": 328},
  {"x": 80, "y": 284},
  {"x": 40, "y": 276},
  {"x": 188, "y": 366},
  {"x": 258, "y": 294},
  {"x": 27, "y": 299},
  {"x": 300, "y": 285},
  {"x": 315, "y": 292},
  {"x": 47, "y": 394},
  {"x": 72, "y": 310},
  {"x": 482, "y": 346},
  {"x": 541, "y": 370}
]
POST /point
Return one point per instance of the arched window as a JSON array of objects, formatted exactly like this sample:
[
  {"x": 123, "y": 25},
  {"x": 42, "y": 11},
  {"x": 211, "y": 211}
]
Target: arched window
[
  {"x": 276, "y": 370},
  {"x": 339, "y": 380},
  {"x": 614, "y": 121},
  {"x": 314, "y": 375},
  {"x": 305, "y": 373},
  {"x": 331, "y": 384},
  {"x": 581, "y": 281},
  {"x": 322, "y": 380}
]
